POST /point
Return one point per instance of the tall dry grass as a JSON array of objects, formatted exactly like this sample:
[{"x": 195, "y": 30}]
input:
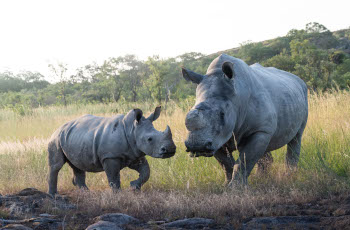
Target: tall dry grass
[{"x": 183, "y": 186}]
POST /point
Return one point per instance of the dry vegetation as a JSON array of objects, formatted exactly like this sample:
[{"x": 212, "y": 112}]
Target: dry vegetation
[{"x": 183, "y": 186}]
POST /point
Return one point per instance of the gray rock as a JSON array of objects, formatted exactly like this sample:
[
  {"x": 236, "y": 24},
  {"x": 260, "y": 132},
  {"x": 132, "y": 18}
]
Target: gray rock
[
  {"x": 19, "y": 208},
  {"x": 49, "y": 225},
  {"x": 156, "y": 222},
  {"x": 119, "y": 219},
  {"x": 104, "y": 225},
  {"x": 283, "y": 222},
  {"x": 190, "y": 223},
  {"x": 30, "y": 200},
  {"x": 32, "y": 192},
  {"x": 344, "y": 208},
  {"x": 16, "y": 227},
  {"x": 47, "y": 215}
]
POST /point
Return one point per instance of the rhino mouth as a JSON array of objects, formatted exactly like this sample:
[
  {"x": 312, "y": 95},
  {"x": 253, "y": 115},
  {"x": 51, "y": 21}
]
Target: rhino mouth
[
  {"x": 201, "y": 153},
  {"x": 205, "y": 149},
  {"x": 167, "y": 154}
]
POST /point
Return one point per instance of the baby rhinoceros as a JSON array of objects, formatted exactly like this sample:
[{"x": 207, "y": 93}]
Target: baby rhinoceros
[{"x": 95, "y": 144}]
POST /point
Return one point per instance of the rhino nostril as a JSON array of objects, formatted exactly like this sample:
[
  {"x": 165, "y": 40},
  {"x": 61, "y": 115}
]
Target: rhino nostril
[
  {"x": 163, "y": 149},
  {"x": 208, "y": 144}
]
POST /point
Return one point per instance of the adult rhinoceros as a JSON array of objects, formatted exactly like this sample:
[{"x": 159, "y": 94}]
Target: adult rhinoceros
[
  {"x": 95, "y": 144},
  {"x": 261, "y": 108}
]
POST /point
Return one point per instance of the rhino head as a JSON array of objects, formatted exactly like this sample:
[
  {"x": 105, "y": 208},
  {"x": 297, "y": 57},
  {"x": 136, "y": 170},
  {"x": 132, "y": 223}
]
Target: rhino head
[
  {"x": 212, "y": 119},
  {"x": 143, "y": 137}
]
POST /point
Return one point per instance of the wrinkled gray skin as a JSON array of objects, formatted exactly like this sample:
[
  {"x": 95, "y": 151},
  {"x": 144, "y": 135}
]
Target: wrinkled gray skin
[
  {"x": 95, "y": 144},
  {"x": 261, "y": 109}
]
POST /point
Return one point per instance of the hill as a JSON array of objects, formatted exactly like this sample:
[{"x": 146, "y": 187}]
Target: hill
[
  {"x": 320, "y": 57},
  {"x": 342, "y": 43}
]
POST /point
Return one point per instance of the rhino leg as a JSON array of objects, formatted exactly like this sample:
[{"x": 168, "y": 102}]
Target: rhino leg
[
  {"x": 56, "y": 161},
  {"x": 143, "y": 169},
  {"x": 293, "y": 149},
  {"x": 249, "y": 154},
  {"x": 78, "y": 177},
  {"x": 264, "y": 163},
  {"x": 226, "y": 160},
  {"x": 112, "y": 167}
]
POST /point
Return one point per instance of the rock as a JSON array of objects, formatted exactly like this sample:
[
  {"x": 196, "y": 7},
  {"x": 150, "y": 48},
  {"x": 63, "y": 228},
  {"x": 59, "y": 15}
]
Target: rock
[
  {"x": 26, "y": 201},
  {"x": 344, "y": 208},
  {"x": 341, "y": 222},
  {"x": 47, "y": 215},
  {"x": 119, "y": 219},
  {"x": 104, "y": 225},
  {"x": 31, "y": 192},
  {"x": 62, "y": 203},
  {"x": 283, "y": 222},
  {"x": 156, "y": 222},
  {"x": 45, "y": 220},
  {"x": 19, "y": 208},
  {"x": 48, "y": 225},
  {"x": 190, "y": 223},
  {"x": 16, "y": 227},
  {"x": 29, "y": 202}
]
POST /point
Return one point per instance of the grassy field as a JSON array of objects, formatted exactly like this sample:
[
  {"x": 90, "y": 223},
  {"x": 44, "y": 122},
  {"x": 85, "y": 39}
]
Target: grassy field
[{"x": 182, "y": 186}]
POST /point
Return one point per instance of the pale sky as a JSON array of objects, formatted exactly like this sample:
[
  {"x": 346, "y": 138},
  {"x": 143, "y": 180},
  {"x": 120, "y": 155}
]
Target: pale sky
[{"x": 36, "y": 33}]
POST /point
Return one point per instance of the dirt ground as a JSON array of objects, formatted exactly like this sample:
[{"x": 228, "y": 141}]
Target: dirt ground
[{"x": 37, "y": 210}]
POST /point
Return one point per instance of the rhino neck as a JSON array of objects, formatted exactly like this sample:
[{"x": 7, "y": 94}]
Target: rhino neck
[
  {"x": 241, "y": 102},
  {"x": 129, "y": 133}
]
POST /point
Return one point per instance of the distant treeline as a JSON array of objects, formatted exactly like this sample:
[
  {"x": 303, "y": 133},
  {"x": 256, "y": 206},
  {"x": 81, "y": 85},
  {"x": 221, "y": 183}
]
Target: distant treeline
[{"x": 321, "y": 58}]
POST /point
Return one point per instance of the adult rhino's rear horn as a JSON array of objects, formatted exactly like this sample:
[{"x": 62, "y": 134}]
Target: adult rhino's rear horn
[{"x": 194, "y": 120}]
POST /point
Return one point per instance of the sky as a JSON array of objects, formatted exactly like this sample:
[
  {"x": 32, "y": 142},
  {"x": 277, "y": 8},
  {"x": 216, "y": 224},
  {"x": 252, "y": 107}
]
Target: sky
[{"x": 36, "y": 33}]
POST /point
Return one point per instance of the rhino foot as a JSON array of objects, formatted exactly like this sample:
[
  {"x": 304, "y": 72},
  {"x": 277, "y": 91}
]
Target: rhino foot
[
  {"x": 135, "y": 185},
  {"x": 52, "y": 194},
  {"x": 237, "y": 185}
]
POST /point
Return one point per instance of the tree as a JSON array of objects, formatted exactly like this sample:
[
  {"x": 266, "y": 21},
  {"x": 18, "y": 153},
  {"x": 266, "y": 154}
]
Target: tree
[
  {"x": 59, "y": 71},
  {"x": 95, "y": 85},
  {"x": 255, "y": 52},
  {"x": 312, "y": 64},
  {"x": 337, "y": 57},
  {"x": 132, "y": 72},
  {"x": 156, "y": 79},
  {"x": 315, "y": 27},
  {"x": 9, "y": 82},
  {"x": 116, "y": 84},
  {"x": 33, "y": 80},
  {"x": 165, "y": 76},
  {"x": 282, "y": 61}
]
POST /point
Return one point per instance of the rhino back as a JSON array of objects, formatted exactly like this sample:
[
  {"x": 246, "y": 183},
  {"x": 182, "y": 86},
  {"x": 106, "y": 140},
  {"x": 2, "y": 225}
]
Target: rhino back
[
  {"x": 89, "y": 140},
  {"x": 287, "y": 95}
]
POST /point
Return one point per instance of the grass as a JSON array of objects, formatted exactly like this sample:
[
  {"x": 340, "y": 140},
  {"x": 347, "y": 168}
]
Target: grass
[{"x": 182, "y": 186}]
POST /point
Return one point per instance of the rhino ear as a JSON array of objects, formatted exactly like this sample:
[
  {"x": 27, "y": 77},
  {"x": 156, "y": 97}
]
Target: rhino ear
[
  {"x": 192, "y": 76},
  {"x": 138, "y": 114},
  {"x": 154, "y": 116},
  {"x": 227, "y": 68}
]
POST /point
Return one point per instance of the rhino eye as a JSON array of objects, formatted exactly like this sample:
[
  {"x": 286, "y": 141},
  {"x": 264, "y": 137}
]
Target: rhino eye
[
  {"x": 222, "y": 115},
  {"x": 149, "y": 139}
]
